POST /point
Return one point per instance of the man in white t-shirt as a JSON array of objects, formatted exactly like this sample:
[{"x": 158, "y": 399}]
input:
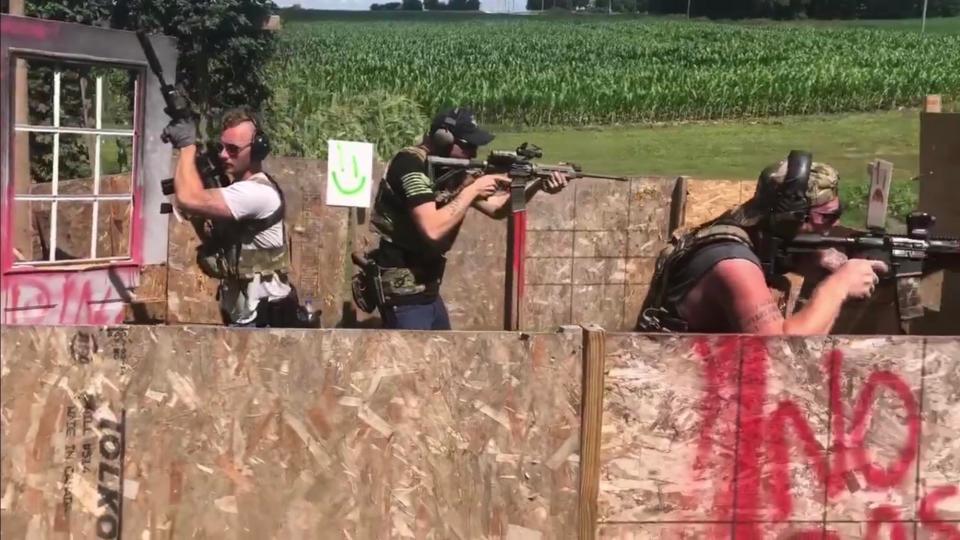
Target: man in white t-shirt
[{"x": 245, "y": 245}]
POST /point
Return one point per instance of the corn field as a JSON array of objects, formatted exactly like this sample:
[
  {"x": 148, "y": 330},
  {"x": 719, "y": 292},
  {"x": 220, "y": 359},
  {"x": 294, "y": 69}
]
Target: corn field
[{"x": 521, "y": 71}]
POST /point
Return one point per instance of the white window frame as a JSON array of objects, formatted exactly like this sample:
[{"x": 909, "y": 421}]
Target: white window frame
[{"x": 54, "y": 197}]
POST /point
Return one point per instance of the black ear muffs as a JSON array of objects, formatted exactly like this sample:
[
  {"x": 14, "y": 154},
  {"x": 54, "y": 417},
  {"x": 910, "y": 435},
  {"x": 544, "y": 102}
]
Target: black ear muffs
[
  {"x": 443, "y": 137},
  {"x": 792, "y": 195},
  {"x": 260, "y": 147}
]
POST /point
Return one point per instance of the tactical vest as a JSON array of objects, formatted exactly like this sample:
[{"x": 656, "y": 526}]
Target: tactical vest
[
  {"x": 225, "y": 257},
  {"x": 660, "y": 314},
  {"x": 390, "y": 218},
  {"x": 393, "y": 222}
]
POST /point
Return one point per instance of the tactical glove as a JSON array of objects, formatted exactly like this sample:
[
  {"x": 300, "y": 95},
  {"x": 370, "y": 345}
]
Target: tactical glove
[{"x": 180, "y": 132}]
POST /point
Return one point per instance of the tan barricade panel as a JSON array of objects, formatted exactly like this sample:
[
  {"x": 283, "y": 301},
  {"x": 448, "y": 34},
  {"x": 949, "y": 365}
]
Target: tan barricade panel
[
  {"x": 590, "y": 251},
  {"x": 289, "y": 434},
  {"x": 830, "y": 437}
]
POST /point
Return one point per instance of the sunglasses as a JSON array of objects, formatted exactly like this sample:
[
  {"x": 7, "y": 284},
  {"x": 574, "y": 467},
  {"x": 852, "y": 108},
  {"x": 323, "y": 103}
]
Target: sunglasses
[
  {"x": 466, "y": 145},
  {"x": 232, "y": 149}
]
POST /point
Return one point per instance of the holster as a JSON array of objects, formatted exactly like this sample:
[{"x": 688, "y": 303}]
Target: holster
[{"x": 366, "y": 284}]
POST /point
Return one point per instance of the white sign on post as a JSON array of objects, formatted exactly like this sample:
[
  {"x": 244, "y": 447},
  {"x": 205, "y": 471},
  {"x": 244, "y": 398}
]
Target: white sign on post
[{"x": 349, "y": 173}]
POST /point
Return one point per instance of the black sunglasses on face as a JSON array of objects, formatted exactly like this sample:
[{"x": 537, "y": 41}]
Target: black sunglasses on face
[
  {"x": 465, "y": 145},
  {"x": 232, "y": 149}
]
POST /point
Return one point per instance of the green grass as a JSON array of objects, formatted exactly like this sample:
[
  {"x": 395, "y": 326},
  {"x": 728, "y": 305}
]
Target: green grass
[{"x": 739, "y": 150}]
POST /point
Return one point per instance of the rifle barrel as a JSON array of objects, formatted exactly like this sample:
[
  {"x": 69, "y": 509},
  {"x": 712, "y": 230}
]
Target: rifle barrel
[
  {"x": 605, "y": 177},
  {"x": 152, "y": 59}
]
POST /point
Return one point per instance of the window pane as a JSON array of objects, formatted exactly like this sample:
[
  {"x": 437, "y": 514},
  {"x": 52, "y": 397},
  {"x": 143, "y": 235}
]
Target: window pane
[
  {"x": 78, "y": 96},
  {"x": 39, "y": 90},
  {"x": 116, "y": 162},
  {"x": 31, "y": 231},
  {"x": 76, "y": 163},
  {"x": 113, "y": 229},
  {"x": 74, "y": 227},
  {"x": 118, "y": 97},
  {"x": 33, "y": 162}
]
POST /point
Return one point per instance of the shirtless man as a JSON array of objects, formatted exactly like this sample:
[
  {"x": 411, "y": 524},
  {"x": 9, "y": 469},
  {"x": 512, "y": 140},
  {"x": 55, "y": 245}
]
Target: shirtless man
[{"x": 711, "y": 280}]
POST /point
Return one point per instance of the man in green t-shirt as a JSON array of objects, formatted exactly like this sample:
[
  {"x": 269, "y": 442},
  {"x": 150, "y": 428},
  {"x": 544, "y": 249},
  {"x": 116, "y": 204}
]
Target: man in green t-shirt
[{"x": 418, "y": 220}]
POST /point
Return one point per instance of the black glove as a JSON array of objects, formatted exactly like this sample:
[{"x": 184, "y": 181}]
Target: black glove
[{"x": 180, "y": 132}]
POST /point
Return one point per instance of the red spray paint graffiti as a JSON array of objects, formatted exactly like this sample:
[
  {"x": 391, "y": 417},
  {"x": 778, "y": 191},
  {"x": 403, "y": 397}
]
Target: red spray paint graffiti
[
  {"x": 65, "y": 298},
  {"x": 765, "y": 436}
]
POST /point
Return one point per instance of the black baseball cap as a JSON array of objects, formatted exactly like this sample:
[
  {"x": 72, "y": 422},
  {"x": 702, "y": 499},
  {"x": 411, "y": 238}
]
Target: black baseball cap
[{"x": 463, "y": 124}]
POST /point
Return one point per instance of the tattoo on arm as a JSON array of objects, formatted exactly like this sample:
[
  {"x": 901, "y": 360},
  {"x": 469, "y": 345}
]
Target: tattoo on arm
[
  {"x": 761, "y": 316},
  {"x": 454, "y": 206}
]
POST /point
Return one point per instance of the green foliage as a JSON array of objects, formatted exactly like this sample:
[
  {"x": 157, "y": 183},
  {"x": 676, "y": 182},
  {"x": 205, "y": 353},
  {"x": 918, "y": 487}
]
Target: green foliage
[
  {"x": 223, "y": 46},
  {"x": 301, "y": 118},
  {"x": 903, "y": 199},
  {"x": 582, "y": 70}
]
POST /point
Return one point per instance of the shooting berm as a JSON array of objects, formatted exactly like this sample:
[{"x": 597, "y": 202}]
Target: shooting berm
[{"x": 598, "y": 269}]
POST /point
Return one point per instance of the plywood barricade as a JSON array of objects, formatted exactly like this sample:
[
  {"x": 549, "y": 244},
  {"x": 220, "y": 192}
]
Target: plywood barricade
[
  {"x": 188, "y": 432},
  {"x": 831, "y": 438}
]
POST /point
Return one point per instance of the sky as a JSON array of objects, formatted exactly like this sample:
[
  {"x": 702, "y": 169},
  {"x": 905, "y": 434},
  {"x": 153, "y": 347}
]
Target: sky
[{"x": 490, "y": 6}]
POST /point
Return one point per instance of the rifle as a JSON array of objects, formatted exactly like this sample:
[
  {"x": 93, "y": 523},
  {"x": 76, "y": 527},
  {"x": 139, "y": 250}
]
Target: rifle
[
  {"x": 178, "y": 107},
  {"x": 908, "y": 257},
  {"x": 521, "y": 169},
  {"x": 518, "y": 166}
]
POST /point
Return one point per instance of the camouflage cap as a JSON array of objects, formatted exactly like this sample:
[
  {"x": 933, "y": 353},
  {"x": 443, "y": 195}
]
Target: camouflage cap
[{"x": 822, "y": 187}]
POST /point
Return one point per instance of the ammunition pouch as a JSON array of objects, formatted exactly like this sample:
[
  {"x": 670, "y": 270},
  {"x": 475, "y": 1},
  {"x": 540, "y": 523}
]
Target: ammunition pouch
[
  {"x": 224, "y": 262},
  {"x": 213, "y": 261}
]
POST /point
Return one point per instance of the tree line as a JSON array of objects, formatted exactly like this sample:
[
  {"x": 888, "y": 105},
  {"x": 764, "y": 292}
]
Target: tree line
[{"x": 773, "y": 9}]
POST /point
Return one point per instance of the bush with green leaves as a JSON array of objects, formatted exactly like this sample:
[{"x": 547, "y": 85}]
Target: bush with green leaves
[
  {"x": 223, "y": 45},
  {"x": 223, "y": 49}
]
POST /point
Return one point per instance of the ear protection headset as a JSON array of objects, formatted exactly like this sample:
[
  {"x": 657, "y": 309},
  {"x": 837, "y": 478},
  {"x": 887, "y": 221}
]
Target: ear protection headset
[
  {"x": 793, "y": 191},
  {"x": 260, "y": 147},
  {"x": 442, "y": 137},
  {"x": 790, "y": 195}
]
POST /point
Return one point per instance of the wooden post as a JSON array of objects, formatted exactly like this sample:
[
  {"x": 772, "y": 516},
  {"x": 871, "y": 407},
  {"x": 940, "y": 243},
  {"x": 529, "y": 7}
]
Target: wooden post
[
  {"x": 678, "y": 204},
  {"x": 594, "y": 355},
  {"x": 22, "y": 218},
  {"x": 878, "y": 196},
  {"x": 516, "y": 256}
]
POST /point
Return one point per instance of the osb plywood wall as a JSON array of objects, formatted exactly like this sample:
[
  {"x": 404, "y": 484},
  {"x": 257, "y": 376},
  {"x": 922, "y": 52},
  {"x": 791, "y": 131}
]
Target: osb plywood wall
[
  {"x": 831, "y": 437},
  {"x": 199, "y": 432},
  {"x": 591, "y": 250},
  {"x": 229, "y": 433}
]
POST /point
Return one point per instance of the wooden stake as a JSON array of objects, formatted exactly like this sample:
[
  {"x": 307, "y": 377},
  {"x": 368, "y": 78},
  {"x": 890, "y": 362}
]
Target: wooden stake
[
  {"x": 678, "y": 204},
  {"x": 878, "y": 196},
  {"x": 594, "y": 355}
]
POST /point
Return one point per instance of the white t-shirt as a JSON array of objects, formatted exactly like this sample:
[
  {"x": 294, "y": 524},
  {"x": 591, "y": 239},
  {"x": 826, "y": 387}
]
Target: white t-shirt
[{"x": 248, "y": 200}]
